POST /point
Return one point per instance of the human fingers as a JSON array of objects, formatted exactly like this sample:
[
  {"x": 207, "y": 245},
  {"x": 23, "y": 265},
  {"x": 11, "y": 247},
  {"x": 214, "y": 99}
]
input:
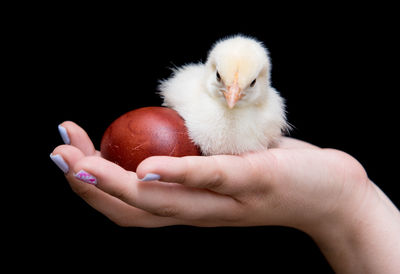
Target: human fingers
[
  {"x": 74, "y": 135},
  {"x": 116, "y": 210},
  {"x": 189, "y": 205},
  {"x": 291, "y": 143},
  {"x": 224, "y": 174}
]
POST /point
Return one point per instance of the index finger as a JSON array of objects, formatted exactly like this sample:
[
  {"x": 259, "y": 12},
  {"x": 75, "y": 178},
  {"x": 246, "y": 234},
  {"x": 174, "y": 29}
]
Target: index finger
[
  {"x": 225, "y": 174},
  {"x": 78, "y": 137}
]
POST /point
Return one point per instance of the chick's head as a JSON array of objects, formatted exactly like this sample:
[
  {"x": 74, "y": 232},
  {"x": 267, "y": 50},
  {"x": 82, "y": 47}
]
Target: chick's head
[{"x": 238, "y": 71}]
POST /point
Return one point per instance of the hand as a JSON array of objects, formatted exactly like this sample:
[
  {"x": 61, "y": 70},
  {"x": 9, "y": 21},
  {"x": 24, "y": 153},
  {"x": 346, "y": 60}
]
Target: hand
[
  {"x": 324, "y": 192},
  {"x": 293, "y": 184}
]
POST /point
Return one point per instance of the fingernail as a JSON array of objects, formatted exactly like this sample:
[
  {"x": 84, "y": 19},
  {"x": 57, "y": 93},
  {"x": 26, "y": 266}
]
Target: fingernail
[
  {"x": 59, "y": 161},
  {"x": 64, "y": 134},
  {"x": 150, "y": 177},
  {"x": 85, "y": 177}
]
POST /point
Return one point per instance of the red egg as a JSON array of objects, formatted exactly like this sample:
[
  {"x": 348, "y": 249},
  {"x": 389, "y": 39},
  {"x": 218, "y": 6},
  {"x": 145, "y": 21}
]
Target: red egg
[{"x": 146, "y": 132}]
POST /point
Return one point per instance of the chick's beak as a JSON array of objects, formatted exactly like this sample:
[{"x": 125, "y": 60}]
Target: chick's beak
[{"x": 233, "y": 93}]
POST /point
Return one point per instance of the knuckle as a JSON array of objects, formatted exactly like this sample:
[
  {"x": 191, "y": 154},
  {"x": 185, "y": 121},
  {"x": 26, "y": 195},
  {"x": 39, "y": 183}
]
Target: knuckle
[
  {"x": 350, "y": 166},
  {"x": 124, "y": 191},
  {"x": 264, "y": 168},
  {"x": 119, "y": 193},
  {"x": 188, "y": 167},
  {"x": 84, "y": 191},
  {"x": 214, "y": 183},
  {"x": 238, "y": 213},
  {"x": 212, "y": 178},
  {"x": 218, "y": 176},
  {"x": 166, "y": 211}
]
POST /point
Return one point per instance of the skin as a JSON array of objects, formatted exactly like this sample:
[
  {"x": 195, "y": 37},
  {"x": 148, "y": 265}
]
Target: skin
[{"x": 324, "y": 192}]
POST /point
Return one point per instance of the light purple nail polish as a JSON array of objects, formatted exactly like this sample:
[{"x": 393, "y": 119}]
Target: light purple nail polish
[
  {"x": 85, "y": 177},
  {"x": 64, "y": 135},
  {"x": 60, "y": 162},
  {"x": 150, "y": 177}
]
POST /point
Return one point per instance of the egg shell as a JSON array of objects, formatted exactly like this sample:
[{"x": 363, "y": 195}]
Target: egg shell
[{"x": 146, "y": 132}]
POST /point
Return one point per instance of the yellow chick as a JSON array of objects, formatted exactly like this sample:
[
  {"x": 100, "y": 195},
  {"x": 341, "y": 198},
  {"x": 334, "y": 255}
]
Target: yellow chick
[{"x": 228, "y": 104}]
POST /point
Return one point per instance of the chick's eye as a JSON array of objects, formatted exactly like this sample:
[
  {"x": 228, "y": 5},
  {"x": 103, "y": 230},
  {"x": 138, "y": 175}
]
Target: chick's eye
[
  {"x": 253, "y": 83},
  {"x": 218, "y": 77}
]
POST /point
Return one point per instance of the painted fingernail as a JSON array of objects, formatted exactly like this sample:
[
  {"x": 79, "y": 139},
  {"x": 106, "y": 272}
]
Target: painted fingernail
[
  {"x": 64, "y": 134},
  {"x": 150, "y": 177},
  {"x": 60, "y": 162},
  {"x": 85, "y": 177}
]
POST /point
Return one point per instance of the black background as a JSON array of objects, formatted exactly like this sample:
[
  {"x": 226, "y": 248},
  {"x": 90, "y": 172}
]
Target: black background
[{"x": 335, "y": 66}]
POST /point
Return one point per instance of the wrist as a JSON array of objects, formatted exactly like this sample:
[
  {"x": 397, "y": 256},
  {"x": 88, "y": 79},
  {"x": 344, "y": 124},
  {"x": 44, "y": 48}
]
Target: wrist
[{"x": 363, "y": 235}]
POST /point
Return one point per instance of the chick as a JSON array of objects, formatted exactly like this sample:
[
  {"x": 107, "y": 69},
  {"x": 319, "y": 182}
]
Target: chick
[{"x": 228, "y": 104}]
